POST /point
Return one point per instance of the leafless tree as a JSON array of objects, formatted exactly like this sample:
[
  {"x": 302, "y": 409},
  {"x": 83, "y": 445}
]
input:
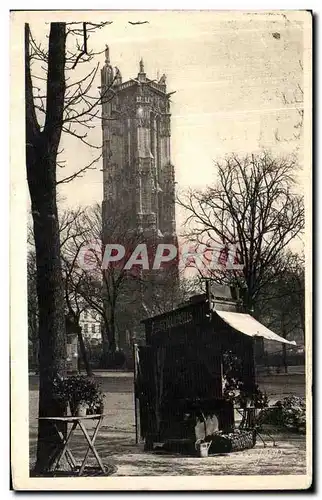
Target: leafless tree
[
  {"x": 107, "y": 289},
  {"x": 281, "y": 304},
  {"x": 71, "y": 231},
  {"x": 254, "y": 206},
  {"x": 56, "y": 106},
  {"x": 167, "y": 290},
  {"x": 121, "y": 297}
]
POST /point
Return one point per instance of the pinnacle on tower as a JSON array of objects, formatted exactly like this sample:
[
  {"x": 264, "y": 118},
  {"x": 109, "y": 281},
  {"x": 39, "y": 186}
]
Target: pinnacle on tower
[
  {"x": 141, "y": 66},
  {"x": 107, "y": 54}
]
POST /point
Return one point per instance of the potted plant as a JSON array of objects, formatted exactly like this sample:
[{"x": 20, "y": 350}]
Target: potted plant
[{"x": 81, "y": 393}]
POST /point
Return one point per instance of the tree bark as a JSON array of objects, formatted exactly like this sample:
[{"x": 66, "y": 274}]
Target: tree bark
[
  {"x": 41, "y": 154},
  {"x": 285, "y": 359},
  {"x": 52, "y": 337},
  {"x": 302, "y": 314},
  {"x": 284, "y": 351},
  {"x": 112, "y": 339},
  {"x": 106, "y": 337},
  {"x": 83, "y": 351}
]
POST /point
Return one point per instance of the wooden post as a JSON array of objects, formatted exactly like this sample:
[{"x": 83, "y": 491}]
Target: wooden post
[
  {"x": 284, "y": 352},
  {"x": 209, "y": 298},
  {"x": 136, "y": 406}
]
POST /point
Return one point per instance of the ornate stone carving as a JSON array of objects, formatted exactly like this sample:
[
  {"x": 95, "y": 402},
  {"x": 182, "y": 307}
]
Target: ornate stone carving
[
  {"x": 116, "y": 130},
  {"x": 118, "y": 76},
  {"x": 143, "y": 117},
  {"x": 165, "y": 126}
]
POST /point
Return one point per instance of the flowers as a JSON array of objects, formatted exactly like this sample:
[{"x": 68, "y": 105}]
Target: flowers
[
  {"x": 79, "y": 389},
  {"x": 235, "y": 389},
  {"x": 289, "y": 412}
]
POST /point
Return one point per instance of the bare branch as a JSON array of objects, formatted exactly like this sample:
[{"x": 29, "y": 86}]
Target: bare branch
[
  {"x": 80, "y": 172},
  {"x": 252, "y": 206},
  {"x": 84, "y": 51}
]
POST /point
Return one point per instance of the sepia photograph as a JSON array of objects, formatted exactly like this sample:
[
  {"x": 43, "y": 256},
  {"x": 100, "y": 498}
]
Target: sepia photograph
[{"x": 161, "y": 249}]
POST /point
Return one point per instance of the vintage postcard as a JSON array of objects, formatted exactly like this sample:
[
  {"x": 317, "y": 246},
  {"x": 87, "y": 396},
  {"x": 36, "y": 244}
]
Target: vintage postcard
[{"x": 161, "y": 251}]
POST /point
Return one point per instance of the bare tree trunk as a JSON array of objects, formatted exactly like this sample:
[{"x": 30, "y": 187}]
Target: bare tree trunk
[
  {"x": 285, "y": 359},
  {"x": 52, "y": 338},
  {"x": 302, "y": 317},
  {"x": 41, "y": 154},
  {"x": 112, "y": 337},
  {"x": 72, "y": 326},
  {"x": 105, "y": 340},
  {"x": 83, "y": 351},
  {"x": 284, "y": 352}
]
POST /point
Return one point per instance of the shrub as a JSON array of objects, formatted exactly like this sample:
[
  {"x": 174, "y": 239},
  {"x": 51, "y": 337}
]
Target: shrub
[
  {"x": 112, "y": 360},
  {"x": 289, "y": 413}
]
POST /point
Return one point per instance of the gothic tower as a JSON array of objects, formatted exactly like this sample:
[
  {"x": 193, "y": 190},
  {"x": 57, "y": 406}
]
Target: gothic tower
[{"x": 138, "y": 175}]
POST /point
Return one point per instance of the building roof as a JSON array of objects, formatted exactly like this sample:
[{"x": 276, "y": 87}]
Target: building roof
[{"x": 246, "y": 324}]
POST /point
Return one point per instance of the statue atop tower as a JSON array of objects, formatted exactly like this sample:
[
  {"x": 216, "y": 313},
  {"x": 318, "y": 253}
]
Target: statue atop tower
[
  {"x": 163, "y": 80},
  {"x": 141, "y": 74},
  {"x": 107, "y": 73}
]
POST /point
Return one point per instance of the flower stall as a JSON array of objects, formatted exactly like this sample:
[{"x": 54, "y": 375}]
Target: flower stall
[{"x": 197, "y": 366}]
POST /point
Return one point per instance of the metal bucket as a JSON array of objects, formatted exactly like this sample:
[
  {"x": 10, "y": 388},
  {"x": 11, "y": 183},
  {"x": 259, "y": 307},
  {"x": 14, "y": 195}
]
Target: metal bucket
[{"x": 202, "y": 449}]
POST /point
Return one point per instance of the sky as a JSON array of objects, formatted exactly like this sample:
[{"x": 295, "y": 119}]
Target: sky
[{"x": 230, "y": 71}]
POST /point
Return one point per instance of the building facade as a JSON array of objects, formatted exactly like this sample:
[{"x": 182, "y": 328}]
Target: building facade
[{"x": 90, "y": 322}]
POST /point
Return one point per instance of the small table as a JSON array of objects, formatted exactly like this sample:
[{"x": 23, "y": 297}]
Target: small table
[{"x": 77, "y": 421}]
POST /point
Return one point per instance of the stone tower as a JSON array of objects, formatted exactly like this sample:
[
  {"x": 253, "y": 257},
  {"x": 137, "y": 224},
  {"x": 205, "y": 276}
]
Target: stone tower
[{"x": 138, "y": 175}]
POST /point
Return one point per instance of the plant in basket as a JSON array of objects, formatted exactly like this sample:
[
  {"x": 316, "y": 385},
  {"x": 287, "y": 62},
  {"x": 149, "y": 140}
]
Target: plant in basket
[
  {"x": 82, "y": 393},
  {"x": 236, "y": 440}
]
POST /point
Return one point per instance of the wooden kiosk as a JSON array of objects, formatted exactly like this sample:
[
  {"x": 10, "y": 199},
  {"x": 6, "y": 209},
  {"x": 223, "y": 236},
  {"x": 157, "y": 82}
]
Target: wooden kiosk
[{"x": 179, "y": 372}]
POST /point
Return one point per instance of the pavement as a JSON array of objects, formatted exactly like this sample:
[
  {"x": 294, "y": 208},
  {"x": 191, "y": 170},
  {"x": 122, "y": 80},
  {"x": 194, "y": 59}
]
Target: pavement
[
  {"x": 116, "y": 440},
  {"x": 118, "y": 449}
]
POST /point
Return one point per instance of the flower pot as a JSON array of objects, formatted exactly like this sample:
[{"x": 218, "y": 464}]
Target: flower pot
[
  {"x": 81, "y": 410},
  {"x": 101, "y": 408}
]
